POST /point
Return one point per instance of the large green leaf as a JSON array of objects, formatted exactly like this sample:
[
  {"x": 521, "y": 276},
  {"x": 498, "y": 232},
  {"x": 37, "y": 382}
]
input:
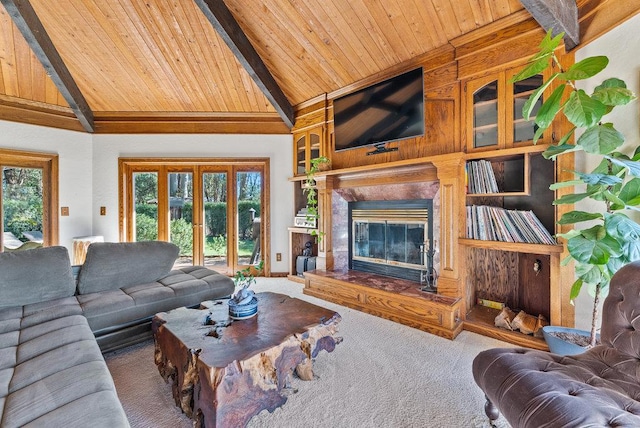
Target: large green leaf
[
  {"x": 536, "y": 67},
  {"x": 574, "y": 197},
  {"x": 632, "y": 166},
  {"x": 620, "y": 226},
  {"x": 613, "y": 96},
  {"x": 554, "y": 151},
  {"x": 616, "y": 202},
  {"x": 586, "y": 68},
  {"x": 530, "y": 104},
  {"x": 627, "y": 233},
  {"x": 589, "y": 274},
  {"x": 593, "y": 251},
  {"x": 600, "y": 139},
  {"x": 598, "y": 179},
  {"x": 550, "y": 43},
  {"x": 577, "y": 216},
  {"x": 575, "y": 290},
  {"x": 562, "y": 184},
  {"x": 550, "y": 108},
  {"x": 630, "y": 192},
  {"x": 582, "y": 110}
]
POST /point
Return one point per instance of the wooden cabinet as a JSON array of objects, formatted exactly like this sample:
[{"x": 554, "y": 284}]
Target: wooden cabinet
[
  {"x": 493, "y": 111},
  {"x": 307, "y": 145}
]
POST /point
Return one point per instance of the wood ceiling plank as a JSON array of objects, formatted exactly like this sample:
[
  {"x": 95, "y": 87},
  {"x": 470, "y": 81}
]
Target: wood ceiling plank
[
  {"x": 561, "y": 16},
  {"x": 446, "y": 16},
  {"x": 34, "y": 33},
  {"x": 96, "y": 73},
  {"x": 418, "y": 14},
  {"x": 464, "y": 15},
  {"x": 481, "y": 11},
  {"x": 223, "y": 21},
  {"x": 230, "y": 66},
  {"x": 158, "y": 29},
  {"x": 152, "y": 57},
  {"x": 309, "y": 53},
  {"x": 286, "y": 66},
  {"x": 155, "y": 88},
  {"x": 7, "y": 55},
  {"x": 376, "y": 44},
  {"x": 347, "y": 55}
]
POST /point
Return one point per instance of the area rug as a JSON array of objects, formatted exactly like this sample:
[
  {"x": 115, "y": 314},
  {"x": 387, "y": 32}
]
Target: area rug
[{"x": 383, "y": 374}]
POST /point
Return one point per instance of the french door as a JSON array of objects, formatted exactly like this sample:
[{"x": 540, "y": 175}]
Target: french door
[{"x": 213, "y": 210}]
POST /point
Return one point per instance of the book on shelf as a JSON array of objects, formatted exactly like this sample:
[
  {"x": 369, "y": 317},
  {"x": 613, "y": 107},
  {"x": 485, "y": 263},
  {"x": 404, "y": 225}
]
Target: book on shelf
[
  {"x": 489, "y": 223},
  {"x": 480, "y": 177}
]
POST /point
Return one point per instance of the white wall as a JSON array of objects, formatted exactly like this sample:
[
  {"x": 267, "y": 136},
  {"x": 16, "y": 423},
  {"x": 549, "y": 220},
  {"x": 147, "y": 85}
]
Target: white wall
[
  {"x": 88, "y": 173},
  {"x": 621, "y": 45},
  {"x": 108, "y": 148},
  {"x": 75, "y": 170}
]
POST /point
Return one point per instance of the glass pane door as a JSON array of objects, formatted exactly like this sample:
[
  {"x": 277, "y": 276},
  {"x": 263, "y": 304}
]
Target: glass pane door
[
  {"x": 145, "y": 199},
  {"x": 180, "y": 188},
  {"x": 524, "y": 130},
  {"x": 214, "y": 193},
  {"x": 22, "y": 207},
  {"x": 485, "y": 115},
  {"x": 249, "y": 207}
]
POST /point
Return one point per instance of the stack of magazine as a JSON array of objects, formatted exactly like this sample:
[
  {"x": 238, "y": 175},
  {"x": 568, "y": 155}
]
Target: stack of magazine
[
  {"x": 480, "y": 177},
  {"x": 498, "y": 224}
]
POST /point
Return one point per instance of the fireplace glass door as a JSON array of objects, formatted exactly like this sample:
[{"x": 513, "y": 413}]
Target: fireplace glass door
[{"x": 390, "y": 242}]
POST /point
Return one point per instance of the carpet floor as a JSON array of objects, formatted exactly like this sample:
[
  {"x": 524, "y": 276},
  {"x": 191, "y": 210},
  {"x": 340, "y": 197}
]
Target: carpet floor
[{"x": 383, "y": 374}]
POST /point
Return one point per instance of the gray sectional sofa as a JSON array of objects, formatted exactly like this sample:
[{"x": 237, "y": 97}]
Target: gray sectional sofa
[{"x": 52, "y": 372}]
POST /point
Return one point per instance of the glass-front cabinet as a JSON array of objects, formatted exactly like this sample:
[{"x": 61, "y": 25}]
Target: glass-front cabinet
[
  {"x": 494, "y": 111},
  {"x": 306, "y": 146}
]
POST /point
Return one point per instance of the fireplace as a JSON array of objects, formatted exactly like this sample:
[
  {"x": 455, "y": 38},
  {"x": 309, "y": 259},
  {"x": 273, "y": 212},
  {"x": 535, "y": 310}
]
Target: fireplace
[{"x": 392, "y": 238}]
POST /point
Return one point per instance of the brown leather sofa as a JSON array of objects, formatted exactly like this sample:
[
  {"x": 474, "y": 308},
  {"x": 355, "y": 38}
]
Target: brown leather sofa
[{"x": 600, "y": 387}]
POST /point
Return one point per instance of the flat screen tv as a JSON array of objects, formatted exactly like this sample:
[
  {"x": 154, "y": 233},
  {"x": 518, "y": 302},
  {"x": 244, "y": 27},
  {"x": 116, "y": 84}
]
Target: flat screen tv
[{"x": 387, "y": 111}]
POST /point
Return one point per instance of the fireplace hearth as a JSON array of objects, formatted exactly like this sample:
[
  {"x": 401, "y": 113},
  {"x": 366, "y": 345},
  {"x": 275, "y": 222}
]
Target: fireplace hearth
[{"x": 392, "y": 238}]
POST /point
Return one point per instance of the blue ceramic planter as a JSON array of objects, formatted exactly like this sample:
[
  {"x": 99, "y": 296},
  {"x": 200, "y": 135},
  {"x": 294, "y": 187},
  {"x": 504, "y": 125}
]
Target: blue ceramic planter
[
  {"x": 562, "y": 347},
  {"x": 241, "y": 312}
]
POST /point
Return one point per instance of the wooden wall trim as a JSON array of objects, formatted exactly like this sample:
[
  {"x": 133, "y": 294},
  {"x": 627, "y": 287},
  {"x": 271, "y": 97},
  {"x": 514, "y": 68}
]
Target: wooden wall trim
[
  {"x": 37, "y": 113},
  {"x": 189, "y": 123}
]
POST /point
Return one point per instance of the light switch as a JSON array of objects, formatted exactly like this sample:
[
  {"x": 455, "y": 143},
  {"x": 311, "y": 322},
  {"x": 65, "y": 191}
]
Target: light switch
[
  {"x": 64, "y": 211},
  {"x": 103, "y": 210}
]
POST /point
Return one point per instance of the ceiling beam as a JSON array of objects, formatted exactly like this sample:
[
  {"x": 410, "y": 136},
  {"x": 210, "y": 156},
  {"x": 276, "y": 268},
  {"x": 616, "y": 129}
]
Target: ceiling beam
[
  {"x": 25, "y": 18},
  {"x": 225, "y": 24},
  {"x": 561, "y": 16}
]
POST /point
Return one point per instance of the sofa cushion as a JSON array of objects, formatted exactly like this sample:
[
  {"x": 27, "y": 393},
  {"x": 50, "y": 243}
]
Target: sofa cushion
[
  {"x": 33, "y": 276},
  {"x": 109, "y": 265}
]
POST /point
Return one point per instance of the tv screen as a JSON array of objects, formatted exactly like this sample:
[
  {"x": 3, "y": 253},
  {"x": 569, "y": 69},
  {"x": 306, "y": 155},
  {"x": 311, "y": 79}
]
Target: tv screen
[{"x": 387, "y": 111}]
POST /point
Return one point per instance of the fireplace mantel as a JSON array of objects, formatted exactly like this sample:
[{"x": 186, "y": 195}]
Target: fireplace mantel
[{"x": 447, "y": 170}]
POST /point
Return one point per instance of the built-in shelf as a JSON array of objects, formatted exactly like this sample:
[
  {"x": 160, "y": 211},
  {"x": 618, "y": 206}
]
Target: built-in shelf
[
  {"x": 481, "y": 320},
  {"x": 517, "y": 247}
]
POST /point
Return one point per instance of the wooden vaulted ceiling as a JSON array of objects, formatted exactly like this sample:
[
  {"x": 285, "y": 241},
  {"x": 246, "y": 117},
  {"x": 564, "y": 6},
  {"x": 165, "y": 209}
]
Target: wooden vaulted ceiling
[{"x": 149, "y": 63}]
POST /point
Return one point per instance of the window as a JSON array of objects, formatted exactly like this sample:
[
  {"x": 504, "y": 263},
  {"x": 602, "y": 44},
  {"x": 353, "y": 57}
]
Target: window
[{"x": 29, "y": 199}]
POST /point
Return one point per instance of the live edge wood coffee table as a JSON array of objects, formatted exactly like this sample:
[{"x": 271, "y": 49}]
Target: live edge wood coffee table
[{"x": 223, "y": 373}]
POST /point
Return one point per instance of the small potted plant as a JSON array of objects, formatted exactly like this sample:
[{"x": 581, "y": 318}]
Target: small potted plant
[
  {"x": 320, "y": 163},
  {"x": 605, "y": 238},
  {"x": 244, "y": 303}
]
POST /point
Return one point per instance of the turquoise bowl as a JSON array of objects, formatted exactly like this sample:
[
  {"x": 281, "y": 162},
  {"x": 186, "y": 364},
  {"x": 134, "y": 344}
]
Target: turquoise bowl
[{"x": 242, "y": 312}]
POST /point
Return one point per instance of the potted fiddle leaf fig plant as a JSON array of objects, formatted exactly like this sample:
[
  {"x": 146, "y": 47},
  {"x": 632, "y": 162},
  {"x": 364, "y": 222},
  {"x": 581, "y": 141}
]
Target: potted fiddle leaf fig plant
[
  {"x": 320, "y": 163},
  {"x": 604, "y": 237}
]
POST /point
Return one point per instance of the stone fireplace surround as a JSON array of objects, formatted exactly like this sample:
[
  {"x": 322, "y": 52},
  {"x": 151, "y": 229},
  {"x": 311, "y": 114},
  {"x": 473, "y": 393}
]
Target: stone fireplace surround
[{"x": 398, "y": 191}]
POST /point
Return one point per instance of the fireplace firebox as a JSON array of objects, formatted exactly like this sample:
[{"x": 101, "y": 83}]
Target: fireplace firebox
[{"x": 392, "y": 238}]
